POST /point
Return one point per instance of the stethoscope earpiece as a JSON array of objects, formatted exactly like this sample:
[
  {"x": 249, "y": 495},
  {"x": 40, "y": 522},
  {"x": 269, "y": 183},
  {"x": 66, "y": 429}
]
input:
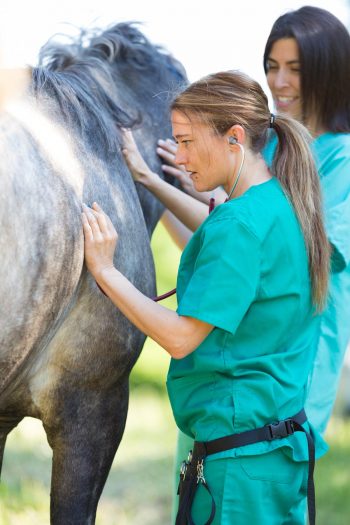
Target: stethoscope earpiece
[{"x": 232, "y": 140}]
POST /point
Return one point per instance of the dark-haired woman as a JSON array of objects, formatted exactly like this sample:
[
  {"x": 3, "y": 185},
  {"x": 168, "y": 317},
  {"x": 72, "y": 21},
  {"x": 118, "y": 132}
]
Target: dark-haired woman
[
  {"x": 307, "y": 64},
  {"x": 250, "y": 282}
]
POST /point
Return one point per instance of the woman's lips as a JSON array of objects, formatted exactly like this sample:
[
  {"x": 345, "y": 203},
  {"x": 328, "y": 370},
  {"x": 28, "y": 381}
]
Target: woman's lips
[{"x": 284, "y": 102}]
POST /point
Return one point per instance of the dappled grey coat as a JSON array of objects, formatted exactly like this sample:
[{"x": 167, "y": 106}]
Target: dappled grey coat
[{"x": 65, "y": 351}]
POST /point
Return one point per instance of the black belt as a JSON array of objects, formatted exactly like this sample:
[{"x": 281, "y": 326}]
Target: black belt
[{"x": 192, "y": 471}]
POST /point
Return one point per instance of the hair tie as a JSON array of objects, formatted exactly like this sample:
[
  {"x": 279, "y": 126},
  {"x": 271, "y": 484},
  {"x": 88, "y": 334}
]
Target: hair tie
[{"x": 272, "y": 121}]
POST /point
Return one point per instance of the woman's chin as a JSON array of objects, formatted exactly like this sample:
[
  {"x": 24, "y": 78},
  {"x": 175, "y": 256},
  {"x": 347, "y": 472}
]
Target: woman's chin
[{"x": 199, "y": 187}]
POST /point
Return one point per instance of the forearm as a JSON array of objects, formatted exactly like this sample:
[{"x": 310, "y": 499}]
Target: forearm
[
  {"x": 178, "y": 335},
  {"x": 178, "y": 232},
  {"x": 187, "y": 209}
]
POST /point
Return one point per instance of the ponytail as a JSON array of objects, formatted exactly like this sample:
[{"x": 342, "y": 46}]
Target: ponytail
[{"x": 295, "y": 168}]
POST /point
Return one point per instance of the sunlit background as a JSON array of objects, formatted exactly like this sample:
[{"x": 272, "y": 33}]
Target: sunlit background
[{"x": 205, "y": 37}]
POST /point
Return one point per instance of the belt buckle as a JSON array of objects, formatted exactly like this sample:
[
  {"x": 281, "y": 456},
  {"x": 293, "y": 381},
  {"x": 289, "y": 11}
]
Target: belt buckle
[{"x": 281, "y": 429}]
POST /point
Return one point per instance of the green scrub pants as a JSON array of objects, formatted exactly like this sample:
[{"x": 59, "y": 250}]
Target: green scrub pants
[{"x": 256, "y": 490}]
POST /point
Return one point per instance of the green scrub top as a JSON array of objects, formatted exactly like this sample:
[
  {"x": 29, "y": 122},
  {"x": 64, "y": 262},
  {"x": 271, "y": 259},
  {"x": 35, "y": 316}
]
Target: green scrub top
[
  {"x": 332, "y": 154},
  {"x": 245, "y": 271}
]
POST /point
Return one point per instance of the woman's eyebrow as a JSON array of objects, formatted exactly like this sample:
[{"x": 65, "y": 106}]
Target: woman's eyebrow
[
  {"x": 177, "y": 137},
  {"x": 269, "y": 59}
]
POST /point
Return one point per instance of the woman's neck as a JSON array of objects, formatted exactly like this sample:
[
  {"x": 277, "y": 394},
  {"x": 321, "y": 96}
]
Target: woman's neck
[
  {"x": 254, "y": 172},
  {"x": 314, "y": 128}
]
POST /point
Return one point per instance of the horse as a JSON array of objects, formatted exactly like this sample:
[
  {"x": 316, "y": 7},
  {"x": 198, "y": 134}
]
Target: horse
[{"x": 65, "y": 351}]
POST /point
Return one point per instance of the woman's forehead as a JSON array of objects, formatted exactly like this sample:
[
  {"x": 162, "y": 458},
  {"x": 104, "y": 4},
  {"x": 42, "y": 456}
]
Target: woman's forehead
[
  {"x": 187, "y": 124},
  {"x": 285, "y": 49},
  {"x": 180, "y": 119}
]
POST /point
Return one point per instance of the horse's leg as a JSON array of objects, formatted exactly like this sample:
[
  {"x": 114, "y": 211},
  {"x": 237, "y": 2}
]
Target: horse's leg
[
  {"x": 7, "y": 423},
  {"x": 3, "y": 438},
  {"x": 85, "y": 436}
]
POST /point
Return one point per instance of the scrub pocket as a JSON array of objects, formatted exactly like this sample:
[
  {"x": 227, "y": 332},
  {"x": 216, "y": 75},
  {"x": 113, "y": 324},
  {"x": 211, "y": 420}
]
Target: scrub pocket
[
  {"x": 190, "y": 400},
  {"x": 275, "y": 466},
  {"x": 253, "y": 491},
  {"x": 202, "y": 407}
]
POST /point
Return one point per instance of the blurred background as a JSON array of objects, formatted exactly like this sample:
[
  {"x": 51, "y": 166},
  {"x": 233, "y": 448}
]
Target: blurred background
[{"x": 205, "y": 38}]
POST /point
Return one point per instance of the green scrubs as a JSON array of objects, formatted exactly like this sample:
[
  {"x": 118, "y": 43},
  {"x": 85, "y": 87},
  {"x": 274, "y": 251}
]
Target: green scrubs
[
  {"x": 245, "y": 271},
  {"x": 332, "y": 154}
]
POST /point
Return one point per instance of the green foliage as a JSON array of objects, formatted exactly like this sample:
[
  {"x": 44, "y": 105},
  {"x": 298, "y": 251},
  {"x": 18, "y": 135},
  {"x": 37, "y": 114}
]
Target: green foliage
[
  {"x": 333, "y": 476},
  {"x": 139, "y": 487}
]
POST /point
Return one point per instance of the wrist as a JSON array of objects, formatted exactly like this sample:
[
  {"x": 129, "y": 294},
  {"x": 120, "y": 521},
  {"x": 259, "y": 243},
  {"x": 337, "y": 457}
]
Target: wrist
[
  {"x": 150, "y": 180},
  {"x": 104, "y": 275}
]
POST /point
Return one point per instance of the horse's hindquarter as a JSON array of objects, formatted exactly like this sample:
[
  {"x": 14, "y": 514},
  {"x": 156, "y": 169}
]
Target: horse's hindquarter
[
  {"x": 55, "y": 332},
  {"x": 41, "y": 250},
  {"x": 96, "y": 346}
]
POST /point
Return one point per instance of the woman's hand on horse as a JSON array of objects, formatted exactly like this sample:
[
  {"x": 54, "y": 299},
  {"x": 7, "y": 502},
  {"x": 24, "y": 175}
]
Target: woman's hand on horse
[
  {"x": 167, "y": 150},
  {"x": 100, "y": 239},
  {"x": 137, "y": 166}
]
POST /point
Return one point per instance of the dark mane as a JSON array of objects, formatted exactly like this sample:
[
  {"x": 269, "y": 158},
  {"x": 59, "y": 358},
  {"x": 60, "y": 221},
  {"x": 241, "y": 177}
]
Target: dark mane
[{"x": 82, "y": 76}]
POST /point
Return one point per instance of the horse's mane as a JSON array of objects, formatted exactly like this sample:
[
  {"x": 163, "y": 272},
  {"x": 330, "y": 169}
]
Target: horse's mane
[{"x": 82, "y": 77}]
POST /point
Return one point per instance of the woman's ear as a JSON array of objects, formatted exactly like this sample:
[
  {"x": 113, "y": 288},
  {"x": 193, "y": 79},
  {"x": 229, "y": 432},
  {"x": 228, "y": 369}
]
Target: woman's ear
[{"x": 236, "y": 134}]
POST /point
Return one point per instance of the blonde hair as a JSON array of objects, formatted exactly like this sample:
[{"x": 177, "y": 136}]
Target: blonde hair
[{"x": 224, "y": 99}]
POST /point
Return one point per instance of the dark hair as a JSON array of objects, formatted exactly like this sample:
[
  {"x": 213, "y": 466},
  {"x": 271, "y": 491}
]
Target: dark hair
[
  {"x": 324, "y": 51},
  {"x": 230, "y": 97}
]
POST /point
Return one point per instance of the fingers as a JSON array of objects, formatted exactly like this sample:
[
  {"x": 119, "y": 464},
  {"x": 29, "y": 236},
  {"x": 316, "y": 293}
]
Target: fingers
[
  {"x": 167, "y": 151},
  {"x": 128, "y": 142},
  {"x": 176, "y": 172},
  {"x": 128, "y": 139},
  {"x": 96, "y": 223},
  {"x": 95, "y": 230},
  {"x": 101, "y": 218},
  {"x": 108, "y": 225},
  {"x": 166, "y": 155},
  {"x": 168, "y": 145},
  {"x": 87, "y": 228}
]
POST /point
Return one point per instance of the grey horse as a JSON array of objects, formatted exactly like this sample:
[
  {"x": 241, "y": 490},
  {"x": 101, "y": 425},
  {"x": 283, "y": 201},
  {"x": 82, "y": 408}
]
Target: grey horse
[{"x": 65, "y": 351}]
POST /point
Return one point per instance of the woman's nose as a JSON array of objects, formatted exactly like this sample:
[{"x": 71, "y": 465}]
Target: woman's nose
[
  {"x": 180, "y": 155},
  {"x": 281, "y": 78}
]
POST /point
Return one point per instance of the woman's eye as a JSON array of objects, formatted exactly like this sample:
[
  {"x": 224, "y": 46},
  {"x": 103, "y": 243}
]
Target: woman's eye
[
  {"x": 271, "y": 67},
  {"x": 186, "y": 142}
]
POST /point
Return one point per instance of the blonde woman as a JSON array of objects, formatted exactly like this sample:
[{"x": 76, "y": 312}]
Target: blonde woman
[{"x": 250, "y": 283}]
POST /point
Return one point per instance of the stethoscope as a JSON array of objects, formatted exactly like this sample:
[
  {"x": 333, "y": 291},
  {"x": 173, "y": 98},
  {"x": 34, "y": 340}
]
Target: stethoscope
[{"x": 233, "y": 141}]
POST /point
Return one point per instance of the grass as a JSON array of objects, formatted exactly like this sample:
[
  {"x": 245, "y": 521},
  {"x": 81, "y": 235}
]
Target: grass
[
  {"x": 139, "y": 486},
  {"x": 138, "y": 489},
  {"x": 333, "y": 476}
]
